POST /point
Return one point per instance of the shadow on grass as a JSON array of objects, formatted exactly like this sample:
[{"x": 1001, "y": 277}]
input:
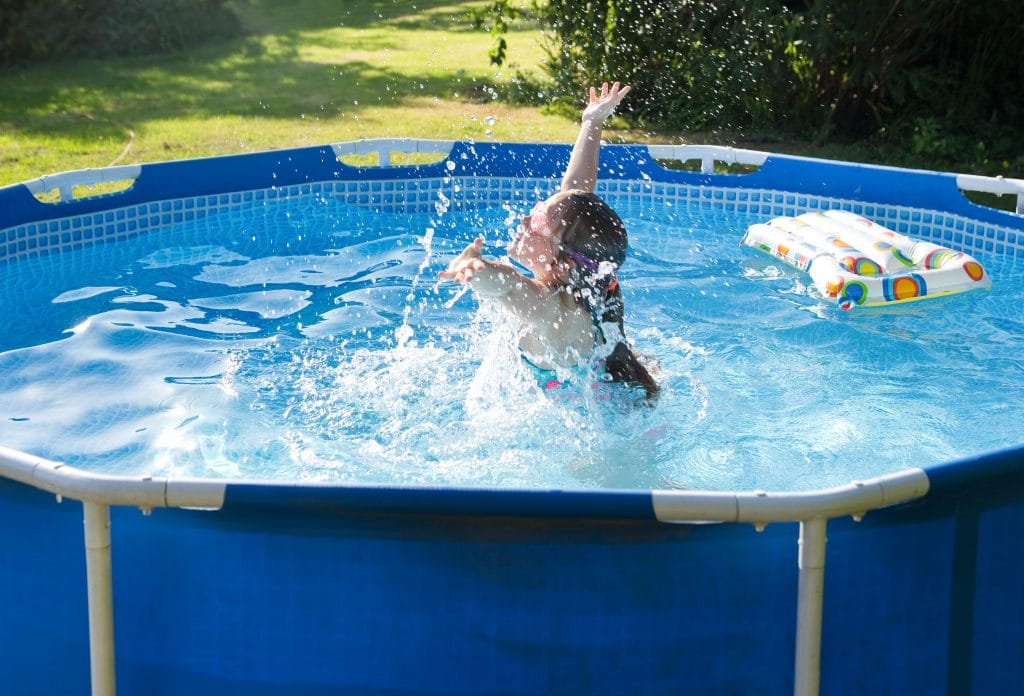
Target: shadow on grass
[
  {"x": 261, "y": 75},
  {"x": 268, "y": 16}
]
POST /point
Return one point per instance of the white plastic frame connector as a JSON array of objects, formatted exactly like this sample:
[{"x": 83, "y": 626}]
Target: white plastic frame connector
[
  {"x": 993, "y": 184},
  {"x": 708, "y": 155},
  {"x": 65, "y": 182},
  {"x": 383, "y": 147}
]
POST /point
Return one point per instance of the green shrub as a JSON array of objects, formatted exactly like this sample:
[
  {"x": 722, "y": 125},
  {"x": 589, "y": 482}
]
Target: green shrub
[
  {"x": 33, "y": 30},
  {"x": 692, "y": 64},
  {"x": 873, "y": 65},
  {"x": 944, "y": 78}
]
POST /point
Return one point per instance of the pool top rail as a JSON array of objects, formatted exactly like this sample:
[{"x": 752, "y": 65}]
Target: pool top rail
[
  {"x": 757, "y": 507},
  {"x": 940, "y": 191}
]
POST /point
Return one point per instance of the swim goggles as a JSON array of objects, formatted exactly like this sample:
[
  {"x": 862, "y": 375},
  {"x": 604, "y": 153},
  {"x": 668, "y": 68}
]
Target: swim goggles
[
  {"x": 593, "y": 267},
  {"x": 539, "y": 220}
]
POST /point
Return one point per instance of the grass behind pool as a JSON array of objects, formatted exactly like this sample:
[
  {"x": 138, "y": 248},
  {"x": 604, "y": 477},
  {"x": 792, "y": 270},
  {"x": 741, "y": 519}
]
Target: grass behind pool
[{"x": 306, "y": 73}]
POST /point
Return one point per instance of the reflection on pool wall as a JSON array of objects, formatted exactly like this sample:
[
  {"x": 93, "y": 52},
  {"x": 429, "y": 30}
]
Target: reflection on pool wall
[{"x": 326, "y": 589}]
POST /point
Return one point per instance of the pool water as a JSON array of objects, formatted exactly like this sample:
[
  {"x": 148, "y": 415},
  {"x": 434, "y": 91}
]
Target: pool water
[{"x": 309, "y": 340}]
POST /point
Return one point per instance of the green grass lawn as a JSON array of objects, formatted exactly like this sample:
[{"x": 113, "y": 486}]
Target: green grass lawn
[{"x": 306, "y": 73}]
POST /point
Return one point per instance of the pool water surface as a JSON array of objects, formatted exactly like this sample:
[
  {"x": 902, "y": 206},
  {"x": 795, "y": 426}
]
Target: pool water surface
[{"x": 309, "y": 340}]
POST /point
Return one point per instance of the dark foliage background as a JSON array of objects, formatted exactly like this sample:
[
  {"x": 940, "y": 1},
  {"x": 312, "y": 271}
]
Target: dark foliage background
[
  {"x": 945, "y": 78},
  {"x": 33, "y": 30}
]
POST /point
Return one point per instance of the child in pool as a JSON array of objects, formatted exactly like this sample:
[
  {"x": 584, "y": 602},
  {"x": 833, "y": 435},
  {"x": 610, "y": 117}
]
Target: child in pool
[{"x": 573, "y": 243}]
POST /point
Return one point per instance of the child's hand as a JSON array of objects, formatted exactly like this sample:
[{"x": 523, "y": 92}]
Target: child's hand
[
  {"x": 461, "y": 270},
  {"x": 602, "y": 106}
]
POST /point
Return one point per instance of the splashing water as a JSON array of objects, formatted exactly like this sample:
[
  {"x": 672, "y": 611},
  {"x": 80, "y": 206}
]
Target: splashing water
[{"x": 299, "y": 341}]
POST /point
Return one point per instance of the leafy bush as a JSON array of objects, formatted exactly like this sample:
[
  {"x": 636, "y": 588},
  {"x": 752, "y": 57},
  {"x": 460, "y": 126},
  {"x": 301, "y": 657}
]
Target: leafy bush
[
  {"x": 883, "y": 62},
  {"x": 32, "y": 30},
  {"x": 693, "y": 64},
  {"x": 944, "y": 77}
]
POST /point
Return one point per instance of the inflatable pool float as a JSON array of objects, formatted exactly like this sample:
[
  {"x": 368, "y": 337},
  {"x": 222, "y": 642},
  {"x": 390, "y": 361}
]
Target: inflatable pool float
[{"x": 854, "y": 261}]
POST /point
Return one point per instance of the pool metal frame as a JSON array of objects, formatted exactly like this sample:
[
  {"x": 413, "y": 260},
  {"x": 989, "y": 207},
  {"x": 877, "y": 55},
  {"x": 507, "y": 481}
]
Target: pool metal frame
[{"x": 812, "y": 510}]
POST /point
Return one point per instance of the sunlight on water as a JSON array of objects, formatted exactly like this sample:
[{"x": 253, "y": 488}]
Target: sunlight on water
[{"x": 311, "y": 341}]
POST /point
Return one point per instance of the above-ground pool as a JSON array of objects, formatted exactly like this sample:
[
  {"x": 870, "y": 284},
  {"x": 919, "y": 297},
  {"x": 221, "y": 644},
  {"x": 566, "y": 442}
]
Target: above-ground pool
[{"x": 359, "y": 488}]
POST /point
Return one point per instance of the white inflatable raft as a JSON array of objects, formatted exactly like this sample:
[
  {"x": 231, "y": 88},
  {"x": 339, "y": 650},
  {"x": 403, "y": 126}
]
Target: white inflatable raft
[{"x": 856, "y": 262}]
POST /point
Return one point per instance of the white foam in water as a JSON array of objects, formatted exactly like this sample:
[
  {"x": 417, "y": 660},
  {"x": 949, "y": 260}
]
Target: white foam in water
[{"x": 310, "y": 341}]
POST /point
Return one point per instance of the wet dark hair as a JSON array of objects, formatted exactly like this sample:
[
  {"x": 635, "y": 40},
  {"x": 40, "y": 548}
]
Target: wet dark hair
[{"x": 594, "y": 244}]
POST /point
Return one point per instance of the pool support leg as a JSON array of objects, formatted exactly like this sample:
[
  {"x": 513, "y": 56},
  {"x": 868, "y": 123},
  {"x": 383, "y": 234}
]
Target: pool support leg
[
  {"x": 808, "y": 610},
  {"x": 101, "y": 598}
]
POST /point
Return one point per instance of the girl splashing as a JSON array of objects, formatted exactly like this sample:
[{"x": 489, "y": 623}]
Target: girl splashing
[{"x": 573, "y": 243}]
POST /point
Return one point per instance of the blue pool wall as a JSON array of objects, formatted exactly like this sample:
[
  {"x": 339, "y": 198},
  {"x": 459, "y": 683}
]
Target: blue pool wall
[
  {"x": 919, "y": 203},
  {"x": 317, "y": 590}
]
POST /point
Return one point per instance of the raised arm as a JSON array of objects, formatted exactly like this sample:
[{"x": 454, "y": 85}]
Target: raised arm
[{"x": 581, "y": 173}]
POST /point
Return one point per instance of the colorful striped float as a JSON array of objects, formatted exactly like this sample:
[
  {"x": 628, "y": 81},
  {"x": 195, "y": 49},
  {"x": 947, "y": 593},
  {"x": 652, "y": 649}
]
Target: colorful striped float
[{"x": 854, "y": 261}]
